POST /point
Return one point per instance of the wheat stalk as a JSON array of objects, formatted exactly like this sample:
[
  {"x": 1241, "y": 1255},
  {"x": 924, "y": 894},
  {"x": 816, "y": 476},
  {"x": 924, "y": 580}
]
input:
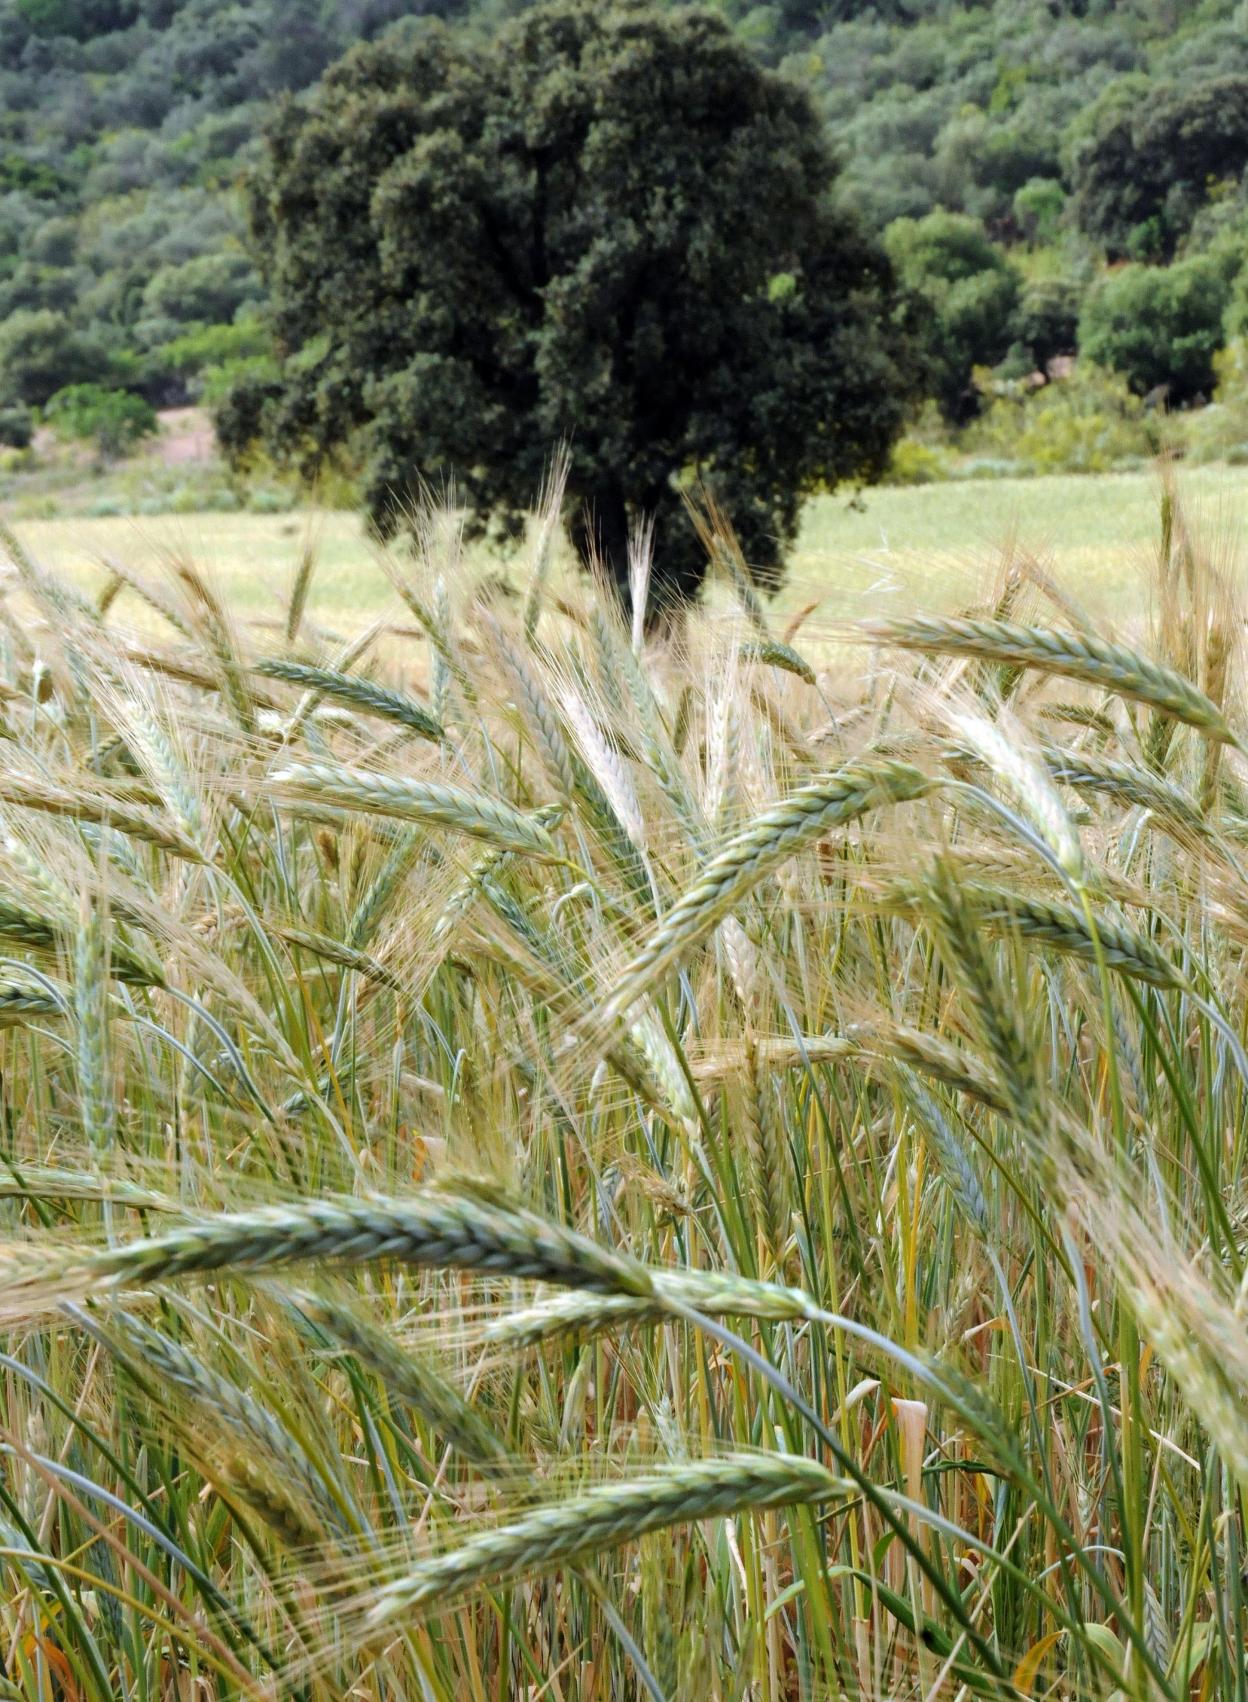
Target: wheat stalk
[
  {"x": 955, "y": 1161},
  {"x": 769, "y": 841},
  {"x": 1066, "y": 929},
  {"x": 337, "y": 951},
  {"x": 718, "y": 1294},
  {"x": 773, "y": 654},
  {"x": 1054, "y": 650},
  {"x": 539, "y": 718},
  {"x": 1059, "y": 925},
  {"x": 99, "y": 809},
  {"x": 91, "y": 1015},
  {"x": 409, "y": 1380},
  {"x": 1129, "y": 784},
  {"x": 275, "y": 1459},
  {"x": 353, "y": 689},
  {"x": 934, "y": 1056},
  {"x": 439, "y": 1230},
  {"x": 957, "y": 922},
  {"x": 603, "y": 1518},
  {"x": 415, "y": 800}
]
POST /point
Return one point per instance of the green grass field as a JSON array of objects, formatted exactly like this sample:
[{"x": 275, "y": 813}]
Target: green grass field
[{"x": 932, "y": 544}]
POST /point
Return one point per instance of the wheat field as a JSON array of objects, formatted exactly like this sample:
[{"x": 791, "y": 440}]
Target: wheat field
[{"x": 576, "y": 1157}]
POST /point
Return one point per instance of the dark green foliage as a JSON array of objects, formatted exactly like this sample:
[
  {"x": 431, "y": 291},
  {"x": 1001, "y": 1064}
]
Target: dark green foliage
[
  {"x": 209, "y": 289},
  {"x": 24, "y": 176},
  {"x": 113, "y": 420},
  {"x": 1159, "y": 326},
  {"x": 1046, "y": 320},
  {"x": 962, "y": 106},
  {"x": 217, "y": 358},
  {"x": 606, "y": 224},
  {"x": 1038, "y": 209},
  {"x": 966, "y": 294},
  {"x": 80, "y": 19},
  {"x": 122, "y": 127},
  {"x": 1150, "y": 159},
  {"x": 1235, "y": 320},
  {"x": 1102, "y": 128},
  {"x": 40, "y": 353},
  {"x": 17, "y": 426}
]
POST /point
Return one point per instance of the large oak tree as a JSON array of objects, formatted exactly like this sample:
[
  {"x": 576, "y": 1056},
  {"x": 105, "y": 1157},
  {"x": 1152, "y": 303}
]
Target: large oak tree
[{"x": 607, "y": 223}]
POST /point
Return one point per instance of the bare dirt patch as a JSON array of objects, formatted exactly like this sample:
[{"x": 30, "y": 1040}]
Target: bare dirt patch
[{"x": 186, "y": 436}]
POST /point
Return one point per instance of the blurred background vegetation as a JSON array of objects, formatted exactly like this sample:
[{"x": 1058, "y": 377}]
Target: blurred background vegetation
[{"x": 1061, "y": 185}]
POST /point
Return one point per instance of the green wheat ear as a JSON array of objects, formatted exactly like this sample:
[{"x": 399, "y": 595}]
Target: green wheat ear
[
  {"x": 473, "y": 813},
  {"x": 604, "y": 1518},
  {"x": 354, "y": 690},
  {"x": 770, "y": 840},
  {"x": 440, "y": 1230},
  {"x": 1053, "y": 650}
]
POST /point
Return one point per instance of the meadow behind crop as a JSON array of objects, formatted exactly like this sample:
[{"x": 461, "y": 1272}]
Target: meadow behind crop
[
  {"x": 547, "y": 1152},
  {"x": 929, "y": 546}
]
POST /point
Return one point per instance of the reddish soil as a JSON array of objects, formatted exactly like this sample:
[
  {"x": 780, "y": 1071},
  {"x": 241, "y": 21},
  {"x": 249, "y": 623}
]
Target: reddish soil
[{"x": 185, "y": 435}]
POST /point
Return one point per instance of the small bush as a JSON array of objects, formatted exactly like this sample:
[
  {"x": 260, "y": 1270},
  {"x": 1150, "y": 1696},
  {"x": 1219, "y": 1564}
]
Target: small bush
[
  {"x": 916, "y": 463},
  {"x": 1038, "y": 209},
  {"x": 1046, "y": 320},
  {"x": 17, "y": 427},
  {"x": 1220, "y": 432},
  {"x": 113, "y": 420},
  {"x": 267, "y": 500},
  {"x": 964, "y": 293},
  {"x": 41, "y": 353},
  {"x": 1087, "y": 423},
  {"x": 993, "y": 467}
]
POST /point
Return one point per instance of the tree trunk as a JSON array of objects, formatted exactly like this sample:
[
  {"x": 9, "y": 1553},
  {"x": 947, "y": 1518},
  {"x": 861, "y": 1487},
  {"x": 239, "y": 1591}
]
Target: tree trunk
[{"x": 600, "y": 534}]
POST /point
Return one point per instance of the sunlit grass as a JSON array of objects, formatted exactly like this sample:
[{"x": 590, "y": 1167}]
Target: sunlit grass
[{"x": 930, "y": 544}]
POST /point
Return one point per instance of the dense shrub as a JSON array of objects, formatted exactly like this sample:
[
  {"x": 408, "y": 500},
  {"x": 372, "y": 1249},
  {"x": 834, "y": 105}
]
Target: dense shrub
[
  {"x": 1220, "y": 431},
  {"x": 1235, "y": 320},
  {"x": 40, "y": 353},
  {"x": 80, "y": 19},
  {"x": 1090, "y": 422},
  {"x": 1046, "y": 320},
  {"x": 1038, "y": 208},
  {"x": 1148, "y": 160},
  {"x": 914, "y": 462},
  {"x": 1159, "y": 326},
  {"x": 113, "y": 420},
  {"x": 17, "y": 426},
  {"x": 209, "y": 289},
  {"x": 966, "y": 293}
]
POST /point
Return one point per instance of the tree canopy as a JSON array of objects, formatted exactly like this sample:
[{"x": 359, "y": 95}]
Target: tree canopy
[
  {"x": 1160, "y": 326},
  {"x": 610, "y": 225},
  {"x": 968, "y": 293},
  {"x": 1149, "y": 159}
]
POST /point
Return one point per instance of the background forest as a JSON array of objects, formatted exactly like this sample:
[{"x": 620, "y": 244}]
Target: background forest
[{"x": 987, "y": 143}]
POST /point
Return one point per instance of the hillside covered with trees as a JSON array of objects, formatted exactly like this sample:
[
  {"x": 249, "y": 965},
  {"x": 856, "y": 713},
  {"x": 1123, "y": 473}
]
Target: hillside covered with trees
[{"x": 1049, "y": 176}]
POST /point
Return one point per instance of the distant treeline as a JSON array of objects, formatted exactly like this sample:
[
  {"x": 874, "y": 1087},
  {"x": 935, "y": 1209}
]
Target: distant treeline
[{"x": 1051, "y": 176}]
